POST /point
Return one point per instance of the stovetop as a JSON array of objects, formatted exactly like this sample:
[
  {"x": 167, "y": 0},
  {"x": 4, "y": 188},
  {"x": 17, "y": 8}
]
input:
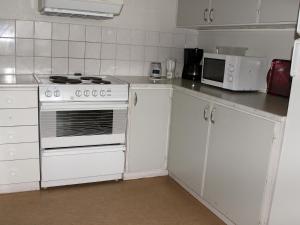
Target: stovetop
[{"x": 71, "y": 88}]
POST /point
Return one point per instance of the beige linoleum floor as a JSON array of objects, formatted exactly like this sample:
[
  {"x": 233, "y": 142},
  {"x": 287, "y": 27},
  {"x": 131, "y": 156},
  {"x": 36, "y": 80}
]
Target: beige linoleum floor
[{"x": 155, "y": 201}]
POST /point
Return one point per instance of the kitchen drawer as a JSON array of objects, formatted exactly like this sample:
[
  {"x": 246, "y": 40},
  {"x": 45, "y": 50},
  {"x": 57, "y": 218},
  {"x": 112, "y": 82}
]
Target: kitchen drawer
[
  {"x": 18, "y": 99},
  {"x": 20, "y": 171},
  {"x": 19, "y": 151},
  {"x": 15, "y": 135},
  {"x": 18, "y": 117}
]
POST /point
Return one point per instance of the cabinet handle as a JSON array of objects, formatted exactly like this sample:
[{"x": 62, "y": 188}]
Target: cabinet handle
[
  {"x": 135, "y": 99},
  {"x": 212, "y": 116},
  {"x": 205, "y": 15},
  {"x": 211, "y": 15},
  {"x": 205, "y": 113}
]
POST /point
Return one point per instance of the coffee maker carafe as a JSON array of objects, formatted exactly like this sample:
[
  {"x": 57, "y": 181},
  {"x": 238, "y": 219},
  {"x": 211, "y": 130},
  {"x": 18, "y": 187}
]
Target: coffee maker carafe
[{"x": 192, "y": 69}]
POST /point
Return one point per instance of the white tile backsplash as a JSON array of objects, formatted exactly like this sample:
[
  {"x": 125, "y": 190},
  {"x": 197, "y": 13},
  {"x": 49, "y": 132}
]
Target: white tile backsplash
[
  {"x": 24, "y": 65},
  {"x": 24, "y": 29},
  {"x": 152, "y": 38},
  {"x": 7, "y": 64},
  {"x": 124, "y": 36},
  {"x": 7, "y": 28},
  {"x": 137, "y": 53},
  {"x": 42, "y": 65},
  {"x": 109, "y": 35},
  {"x": 76, "y": 49},
  {"x": 60, "y": 65},
  {"x": 76, "y": 66},
  {"x": 122, "y": 68},
  {"x": 77, "y": 32},
  {"x": 92, "y": 67},
  {"x": 42, "y": 48},
  {"x": 24, "y": 47},
  {"x": 108, "y": 51},
  {"x": 60, "y": 31},
  {"x": 43, "y": 30},
  {"x": 60, "y": 49},
  {"x": 166, "y": 39},
  {"x": 123, "y": 52},
  {"x": 151, "y": 54},
  {"x": 92, "y": 50},
  {"x": 93, "y": 34},
  {"x": 7, "y": 46},
  {"x": 107, "y": 67}
]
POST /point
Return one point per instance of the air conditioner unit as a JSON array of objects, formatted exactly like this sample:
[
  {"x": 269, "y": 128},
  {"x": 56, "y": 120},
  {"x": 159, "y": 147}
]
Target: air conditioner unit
[{"x": 81, "y": 8}]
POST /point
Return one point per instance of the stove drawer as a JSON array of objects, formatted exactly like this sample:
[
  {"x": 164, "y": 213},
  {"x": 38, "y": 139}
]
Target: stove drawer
[
  {"x": 15, "y": 135},
  {"x": 19, "y": 151},
  {"x": 81, "y": 164},
  {"x": 18, "y": 99},
  {"x": 21, "y": 171},
  {"x": 18, "y": 117}
]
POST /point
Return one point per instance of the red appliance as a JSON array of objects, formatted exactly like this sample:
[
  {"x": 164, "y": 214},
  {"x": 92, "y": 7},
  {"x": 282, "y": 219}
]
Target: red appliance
[{"x": 279, "y": 79}]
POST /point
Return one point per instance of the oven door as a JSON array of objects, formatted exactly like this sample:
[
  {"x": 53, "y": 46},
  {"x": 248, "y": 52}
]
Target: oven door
[
  {"x": 82, "y": 124},
  {"x": 214, "y": 69}
]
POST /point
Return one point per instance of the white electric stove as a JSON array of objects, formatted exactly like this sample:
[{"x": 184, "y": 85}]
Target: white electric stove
[{"x": 83, "y": 124}]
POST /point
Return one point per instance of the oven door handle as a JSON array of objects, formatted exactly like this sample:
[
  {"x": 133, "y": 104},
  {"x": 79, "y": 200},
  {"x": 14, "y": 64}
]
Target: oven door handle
[{"x": 48, "y": 106}]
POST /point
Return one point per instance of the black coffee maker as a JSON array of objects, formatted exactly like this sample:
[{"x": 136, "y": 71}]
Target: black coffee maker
[{"x": 192, "y": 69}]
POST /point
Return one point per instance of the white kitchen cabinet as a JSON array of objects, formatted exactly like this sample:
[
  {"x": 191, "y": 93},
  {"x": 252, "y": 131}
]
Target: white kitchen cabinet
[
  {"x": 279, "y": 11},
  {"x": 188, "y": 135},
  {"x": 192, "y": 12},
  {"x": 233, "y": 12},
  {"x": 148, "y": 132},
  {"x": 238, "y": 160}
]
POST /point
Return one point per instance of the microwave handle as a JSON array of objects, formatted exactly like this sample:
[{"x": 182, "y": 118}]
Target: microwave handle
[{"x": 295, "y": 68}]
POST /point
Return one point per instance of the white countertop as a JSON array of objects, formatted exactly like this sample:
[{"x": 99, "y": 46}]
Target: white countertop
[
  {"x": 266, "y": 104},
  {"x": 18, "y": 81}
]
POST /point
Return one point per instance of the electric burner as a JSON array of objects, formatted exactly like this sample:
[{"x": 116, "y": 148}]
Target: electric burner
[
  {"x": 101, "y": 82},
  {"x": 91, "y": 78},
  {"x": 74, "y": 81}
]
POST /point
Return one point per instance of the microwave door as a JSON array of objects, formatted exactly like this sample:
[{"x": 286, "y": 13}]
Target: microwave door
[{"x": 213, "y": 71}]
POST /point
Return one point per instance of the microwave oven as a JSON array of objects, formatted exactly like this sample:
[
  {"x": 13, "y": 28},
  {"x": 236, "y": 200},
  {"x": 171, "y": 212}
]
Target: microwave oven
[{"x": 236, "y": 73}]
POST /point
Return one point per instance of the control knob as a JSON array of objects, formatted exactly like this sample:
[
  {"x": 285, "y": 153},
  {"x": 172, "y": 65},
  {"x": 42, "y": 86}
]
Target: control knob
[
  {"x": 57, "y": 93},
  {"x": 95, "y": 93},
  {"x": 102, "y": 93},
  {"x": 48, "y": 93},
  {"x": 78, "y": 93},
  {"x": 86, "y": 93}
]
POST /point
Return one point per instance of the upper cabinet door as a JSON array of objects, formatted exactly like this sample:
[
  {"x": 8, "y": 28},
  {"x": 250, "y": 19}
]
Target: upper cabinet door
[
  {"x": 276, "y": 11},
  {"x": 192, "y": 12},
  {"x": 233, "y": 12}
]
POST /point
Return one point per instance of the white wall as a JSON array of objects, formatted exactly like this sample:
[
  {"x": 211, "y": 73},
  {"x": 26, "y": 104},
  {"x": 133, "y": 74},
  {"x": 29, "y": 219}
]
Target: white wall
[{"x": 157, "y": 15}]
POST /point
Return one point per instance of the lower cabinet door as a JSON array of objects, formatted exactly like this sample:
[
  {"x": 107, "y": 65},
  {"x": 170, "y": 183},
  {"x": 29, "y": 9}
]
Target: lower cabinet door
[
  {"x": 20, "y": 171},
  {"x": 237, "y": 165},
  {"x": 188, "y": 138},
  {"x": 149, "y": 117}
]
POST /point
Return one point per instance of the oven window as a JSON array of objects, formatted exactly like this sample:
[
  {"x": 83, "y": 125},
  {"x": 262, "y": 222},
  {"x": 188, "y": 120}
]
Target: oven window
[
  {"x": 214, "y": 69},
  {"x": 79, "y": 123},
  {"x": 82, "y": 123}
]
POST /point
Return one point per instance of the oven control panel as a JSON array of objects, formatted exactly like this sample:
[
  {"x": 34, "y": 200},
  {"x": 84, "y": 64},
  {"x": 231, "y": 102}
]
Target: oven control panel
[{"x": 86, "y": 93}]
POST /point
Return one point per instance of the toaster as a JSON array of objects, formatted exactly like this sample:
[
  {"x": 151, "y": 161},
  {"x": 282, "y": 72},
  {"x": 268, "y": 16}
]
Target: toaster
[{"x": 279, "y": 80}]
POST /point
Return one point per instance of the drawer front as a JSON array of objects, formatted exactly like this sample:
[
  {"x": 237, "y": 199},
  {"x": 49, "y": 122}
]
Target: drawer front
[
  {"x": 63, "y": 167},
  {"x": 18, "y": 99},
  {"x": 15, "y": 135},
  {"x": 19, "y": 151},
  {"x": 20, "y": 171},
  {"x": 18, "y": 117}
]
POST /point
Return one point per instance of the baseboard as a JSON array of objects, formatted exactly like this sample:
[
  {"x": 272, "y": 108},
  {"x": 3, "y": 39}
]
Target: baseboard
[
  {"x": 148, "y": 174},
  {"x": 56, "y": 183},
  {"x": 200, "y": 199},
  {"x": 22, "y": 187}
]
